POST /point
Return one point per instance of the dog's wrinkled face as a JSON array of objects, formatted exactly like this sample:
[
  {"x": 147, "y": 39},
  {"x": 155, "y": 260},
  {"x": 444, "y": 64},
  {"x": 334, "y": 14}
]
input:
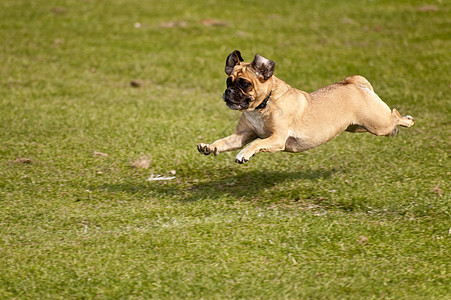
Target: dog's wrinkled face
[
  {"x": 246, "y": 80},
  {"x": 239, "y": 92}
]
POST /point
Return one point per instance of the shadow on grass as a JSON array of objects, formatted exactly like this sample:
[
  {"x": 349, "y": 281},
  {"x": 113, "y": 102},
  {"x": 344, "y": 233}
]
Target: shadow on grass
[
  {"x": 243, "y": 183},
  {"x": 250, "y": 183}
]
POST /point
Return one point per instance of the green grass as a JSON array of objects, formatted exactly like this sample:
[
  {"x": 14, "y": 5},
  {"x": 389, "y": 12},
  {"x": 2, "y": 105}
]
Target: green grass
[{"x": 360, "y": 217}]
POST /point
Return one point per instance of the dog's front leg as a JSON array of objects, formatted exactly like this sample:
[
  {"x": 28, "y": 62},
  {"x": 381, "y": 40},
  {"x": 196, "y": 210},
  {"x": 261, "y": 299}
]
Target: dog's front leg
[
  {"x": 274, "y": 143},
  {"x": 230, "y": 143}
]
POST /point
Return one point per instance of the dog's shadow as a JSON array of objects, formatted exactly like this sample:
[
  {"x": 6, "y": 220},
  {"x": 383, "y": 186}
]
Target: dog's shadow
[
  {"x": 249, "y": 183},
  {"x": 242, "y": 183}
]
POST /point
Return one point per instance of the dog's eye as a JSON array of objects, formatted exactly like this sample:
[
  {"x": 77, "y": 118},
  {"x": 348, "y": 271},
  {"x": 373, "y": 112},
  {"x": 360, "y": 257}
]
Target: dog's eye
[
  {"x": 229, "y": 81},
  {"x": 243, "y": 83}
]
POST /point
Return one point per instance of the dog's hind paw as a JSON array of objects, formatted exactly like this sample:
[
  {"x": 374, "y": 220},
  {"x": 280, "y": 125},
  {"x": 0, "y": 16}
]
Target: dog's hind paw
[{"x": 407, "y": 121}]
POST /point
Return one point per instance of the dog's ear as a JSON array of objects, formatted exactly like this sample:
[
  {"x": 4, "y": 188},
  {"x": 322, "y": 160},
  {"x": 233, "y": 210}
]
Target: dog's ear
[
  {"x": 233, "y": 59},
  {"x": 264, "y": 67}
]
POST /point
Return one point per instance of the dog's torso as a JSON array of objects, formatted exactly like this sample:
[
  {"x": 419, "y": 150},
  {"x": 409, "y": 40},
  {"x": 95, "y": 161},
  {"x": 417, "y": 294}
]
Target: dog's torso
[{"x": 310, "y": 120}]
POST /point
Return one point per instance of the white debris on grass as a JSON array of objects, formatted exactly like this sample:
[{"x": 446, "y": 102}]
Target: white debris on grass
[{"x": 159, "y": 177}]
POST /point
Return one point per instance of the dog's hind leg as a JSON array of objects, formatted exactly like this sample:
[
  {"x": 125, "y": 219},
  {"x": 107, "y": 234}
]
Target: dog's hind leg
[
  {"x": 377, "y": 117},
  {"x": 384, "y": 123}
]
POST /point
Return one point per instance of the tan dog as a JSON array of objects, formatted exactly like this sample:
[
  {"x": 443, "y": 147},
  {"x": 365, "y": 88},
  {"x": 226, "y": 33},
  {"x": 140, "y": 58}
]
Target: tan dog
[{"x": 277, "y": 117}]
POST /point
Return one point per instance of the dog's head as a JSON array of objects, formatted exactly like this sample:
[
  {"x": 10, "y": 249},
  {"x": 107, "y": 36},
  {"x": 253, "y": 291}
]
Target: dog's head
[{"x": 248, "y": 84}]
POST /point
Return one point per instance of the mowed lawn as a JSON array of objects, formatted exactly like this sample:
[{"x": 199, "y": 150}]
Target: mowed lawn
[{"x": 90, "y": 88}]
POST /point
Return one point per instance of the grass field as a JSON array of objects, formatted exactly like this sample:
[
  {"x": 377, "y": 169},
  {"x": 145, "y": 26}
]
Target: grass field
[{"x": 361, "y": 217}]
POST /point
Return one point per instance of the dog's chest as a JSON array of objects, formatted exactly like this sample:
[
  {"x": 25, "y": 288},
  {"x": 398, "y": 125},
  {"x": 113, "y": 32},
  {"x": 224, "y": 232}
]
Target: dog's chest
[{"x": 257, "y": 122}]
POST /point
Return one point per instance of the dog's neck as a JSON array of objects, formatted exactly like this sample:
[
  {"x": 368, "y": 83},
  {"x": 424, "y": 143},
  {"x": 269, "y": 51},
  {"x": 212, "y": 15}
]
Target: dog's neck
[
  {"x": 263, "y": 104},
  {"x": 279, "y": 87},
  {"x": 270, "y": 91}
]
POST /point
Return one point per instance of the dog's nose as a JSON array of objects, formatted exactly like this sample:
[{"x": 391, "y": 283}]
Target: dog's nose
[{"x": 228, "y": 91}]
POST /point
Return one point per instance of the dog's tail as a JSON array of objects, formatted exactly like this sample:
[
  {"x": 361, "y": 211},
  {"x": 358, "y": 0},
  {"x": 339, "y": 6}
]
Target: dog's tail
[{"x": 360, "y": 81}]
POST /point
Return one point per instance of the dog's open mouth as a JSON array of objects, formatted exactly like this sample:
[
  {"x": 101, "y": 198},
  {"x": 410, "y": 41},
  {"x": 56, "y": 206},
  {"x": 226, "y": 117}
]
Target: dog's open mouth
[
  {"x": 233, "y": 105},
  {"x": 237, "y": 106}
]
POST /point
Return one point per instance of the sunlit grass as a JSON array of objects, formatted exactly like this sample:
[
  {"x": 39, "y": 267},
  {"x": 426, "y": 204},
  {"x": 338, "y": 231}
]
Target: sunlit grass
[{"x": 359, "y": 217}]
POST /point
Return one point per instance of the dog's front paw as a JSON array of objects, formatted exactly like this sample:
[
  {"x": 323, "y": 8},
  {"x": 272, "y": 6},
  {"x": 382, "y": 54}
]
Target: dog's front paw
[
  {"x": 241, "y": 158},
  {"x": 207, "y": 149}
]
